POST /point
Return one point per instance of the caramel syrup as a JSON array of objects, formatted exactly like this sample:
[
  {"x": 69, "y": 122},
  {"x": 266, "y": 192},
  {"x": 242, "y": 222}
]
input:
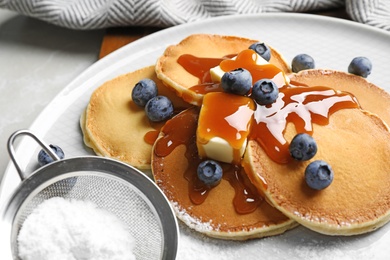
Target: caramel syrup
[
  {"x": 247, "y": 60},
  {"x": 301, "y": 106},
  {"x": 200, "y": 68},
  {"x": 181, "y": 130},
  {"x": 230, "y": 123},
  {"x": 151, "y": 136}
]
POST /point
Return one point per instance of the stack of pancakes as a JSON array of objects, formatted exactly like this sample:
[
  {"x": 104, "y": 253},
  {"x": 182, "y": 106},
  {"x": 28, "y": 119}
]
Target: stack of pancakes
[{"x": 355, "y": 142}]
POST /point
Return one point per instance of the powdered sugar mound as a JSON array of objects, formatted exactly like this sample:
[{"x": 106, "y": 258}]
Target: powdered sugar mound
[
  {"x": 297, "y": 244},
  {"x": 73, "y": 229},
  {"x": 196, "y": 224}
]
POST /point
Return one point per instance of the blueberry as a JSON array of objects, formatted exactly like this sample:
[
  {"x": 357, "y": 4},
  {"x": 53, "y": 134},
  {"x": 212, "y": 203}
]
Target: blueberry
[
  {"x": 210, "y": 172},
  {"x": 44, "y": 158},
  {"x": 318, "y": 175},
  {"x": 261, "y": 49},
  {"x": 265, "y": 92},
  {"x": 360, "y": 66},
  {"x": 302, "y": 62},
  {"x": 238, "y": 81},
  {"x": 159, "y": 108},
  {"x": 303, "y": 147},
  {"x": 143, "y": 91}
]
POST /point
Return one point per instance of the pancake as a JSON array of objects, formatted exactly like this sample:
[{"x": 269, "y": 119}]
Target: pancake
[
  {"x": 371, "y": 97},
  {"x": 114, "y": 126},
  {"x": 202, "y": 46},
  {"x": 215, "y": 215},
  {"x": 356, "y": 144}
]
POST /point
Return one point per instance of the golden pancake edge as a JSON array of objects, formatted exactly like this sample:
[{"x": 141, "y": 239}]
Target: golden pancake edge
[{"x": 113, "y": 126}]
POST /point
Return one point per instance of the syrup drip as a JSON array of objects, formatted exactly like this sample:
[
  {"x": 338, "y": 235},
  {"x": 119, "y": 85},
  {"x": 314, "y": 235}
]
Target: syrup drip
[
  {"x": 301, "y": 106},
  {"x": 182, "y": 131},
  {"x": 151, "y": 136},
  {"x": 247, "y": 60},
  {"x": 200, "y": 68},
  {"x": 230, "y": 123}
]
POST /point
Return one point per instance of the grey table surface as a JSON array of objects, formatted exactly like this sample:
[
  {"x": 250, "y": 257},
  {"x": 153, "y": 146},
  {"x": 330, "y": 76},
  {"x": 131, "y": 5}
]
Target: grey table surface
[{"x": 37, "y": 60}]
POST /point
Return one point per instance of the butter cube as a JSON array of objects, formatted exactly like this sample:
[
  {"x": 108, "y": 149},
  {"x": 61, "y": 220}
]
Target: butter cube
[{"x": 223, "y": 126}]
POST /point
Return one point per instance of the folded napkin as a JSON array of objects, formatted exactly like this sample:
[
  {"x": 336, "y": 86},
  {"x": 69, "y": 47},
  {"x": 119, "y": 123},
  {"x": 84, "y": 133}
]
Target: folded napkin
[
  {"x": 95, "y": 14},
  {"x": 372, "y": 12}
]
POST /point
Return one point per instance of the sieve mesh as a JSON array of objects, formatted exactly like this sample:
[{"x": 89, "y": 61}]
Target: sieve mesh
[{"x": 110, "y": 193}]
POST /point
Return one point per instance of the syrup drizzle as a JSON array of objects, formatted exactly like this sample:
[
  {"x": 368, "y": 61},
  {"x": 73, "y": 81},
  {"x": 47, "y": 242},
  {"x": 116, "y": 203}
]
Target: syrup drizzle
[
  {"x": 300, "y": 105},
  {"x": 181, "y": 130},
  {"x": 200, "y": 68},
  {"x": 247, "y": 60},
  {"x": 230, "y": 123}
]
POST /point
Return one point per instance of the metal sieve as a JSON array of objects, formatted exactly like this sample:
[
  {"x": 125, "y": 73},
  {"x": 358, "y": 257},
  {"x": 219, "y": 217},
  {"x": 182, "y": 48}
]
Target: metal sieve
[{"x": 114, "y": 186}]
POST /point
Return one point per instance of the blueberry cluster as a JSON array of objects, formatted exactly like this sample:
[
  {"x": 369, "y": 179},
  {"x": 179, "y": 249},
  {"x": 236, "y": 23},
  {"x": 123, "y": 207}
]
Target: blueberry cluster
[
  {"x": 157, "y": 108},
  {"x": 318, "y": 174},
  {"x": 239, "y": 82}
]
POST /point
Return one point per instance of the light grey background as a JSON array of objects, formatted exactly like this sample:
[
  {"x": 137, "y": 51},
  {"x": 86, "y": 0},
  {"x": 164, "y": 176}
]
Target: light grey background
[{"x": 37, "y": 60}]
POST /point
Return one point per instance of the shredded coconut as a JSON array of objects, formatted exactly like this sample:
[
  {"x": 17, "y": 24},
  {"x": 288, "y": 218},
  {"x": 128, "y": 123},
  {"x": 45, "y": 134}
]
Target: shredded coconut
[{"x": 73, "y": 230}]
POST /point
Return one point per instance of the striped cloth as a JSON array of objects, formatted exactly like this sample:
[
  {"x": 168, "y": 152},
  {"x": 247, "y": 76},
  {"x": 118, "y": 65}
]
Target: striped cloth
[
  {"x": 94, "y": 14},
  {"x": 372, "y": 12}
]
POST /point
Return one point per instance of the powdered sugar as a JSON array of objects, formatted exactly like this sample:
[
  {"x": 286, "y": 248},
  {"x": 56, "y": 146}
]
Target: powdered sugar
[
  {"x": 73, "y": 229},
  {"x": 190, "y": 221},
  {"x": 297, "y": 244}
]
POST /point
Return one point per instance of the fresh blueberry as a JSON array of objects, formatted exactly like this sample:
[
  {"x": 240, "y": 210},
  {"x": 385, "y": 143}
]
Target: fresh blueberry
[
  {"x": 302, "y": 62},
  {"x": 210, "y": 172},
  {"x": 261, "y": 49},
  {"x": 44, "y": 158},
  {"x": 360, "y": 66},
  {"x": 318, "y": 175},
  {"x": 159, "y": 108},
  {"x": 303, "y": 147},
  {"x": 265, "y": 92},
  {"x": 143, "y": 91},
  {"x": 238, "y": 81}
]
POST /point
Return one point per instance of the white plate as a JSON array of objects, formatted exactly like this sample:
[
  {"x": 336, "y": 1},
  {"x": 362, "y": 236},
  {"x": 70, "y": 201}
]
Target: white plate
[{"x": 332, "y": 42}]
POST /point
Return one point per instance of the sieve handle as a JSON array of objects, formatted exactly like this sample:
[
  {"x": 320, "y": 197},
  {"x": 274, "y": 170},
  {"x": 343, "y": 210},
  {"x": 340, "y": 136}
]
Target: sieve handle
[{"x": 11, "y": 150}]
